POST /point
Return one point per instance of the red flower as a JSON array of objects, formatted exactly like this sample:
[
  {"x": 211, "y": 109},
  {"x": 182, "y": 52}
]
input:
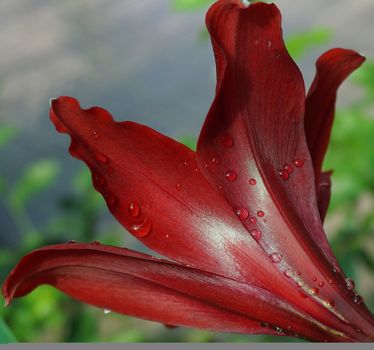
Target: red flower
[{"x": 240, "y": 218}]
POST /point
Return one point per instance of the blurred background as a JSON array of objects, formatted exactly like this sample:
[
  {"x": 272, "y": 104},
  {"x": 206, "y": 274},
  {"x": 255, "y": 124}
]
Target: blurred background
[{"x": 150, "y": 61}]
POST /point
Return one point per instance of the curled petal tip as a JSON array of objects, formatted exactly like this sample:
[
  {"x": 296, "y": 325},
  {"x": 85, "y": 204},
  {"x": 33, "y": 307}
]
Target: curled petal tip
[{"x": 51, "y": 100}]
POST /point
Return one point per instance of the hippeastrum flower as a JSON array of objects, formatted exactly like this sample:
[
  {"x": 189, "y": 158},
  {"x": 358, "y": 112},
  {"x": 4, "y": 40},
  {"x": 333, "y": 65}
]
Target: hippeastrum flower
[{"x": 240, "y": 219}]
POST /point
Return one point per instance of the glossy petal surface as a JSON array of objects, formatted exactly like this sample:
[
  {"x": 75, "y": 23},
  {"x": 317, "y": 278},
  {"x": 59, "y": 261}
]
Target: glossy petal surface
[
  {"x": 136, "y": 284},
  {"x": 152, "y": 185},
  {"x": 259, "y": 104}
]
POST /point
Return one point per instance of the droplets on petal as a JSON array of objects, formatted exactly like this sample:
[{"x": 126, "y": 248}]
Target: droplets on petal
[
  {"x": 298, "y": 163},
  {"x": 350, "y": 283},
  {"x": 289, "y": 273},
  {"x": 242, "y": 213},
  {"x": 288, "y": 168},
  {"x": 256, "y": 234},
  {"x": 284, "y": 174},
  {"x": 276, "y": 258},
  {"x": 253, "y": 220},
  {"x": 101, "y": 158},
  {"x": 252, "y": 182},
  {"x": 357, "y": 299},
  {"x": 216, "y": 160},
  {"x": 231, "y": 175},
  {"x": 142, "y": 229},
  {"x": 134, "y": 209}
]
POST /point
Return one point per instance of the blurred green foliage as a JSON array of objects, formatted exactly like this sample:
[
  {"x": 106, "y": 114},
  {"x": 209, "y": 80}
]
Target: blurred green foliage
[
  {"x": 300, "y": 43},
  {"x": 189, "y": 5},
  {"x": 47, "y": 315}
]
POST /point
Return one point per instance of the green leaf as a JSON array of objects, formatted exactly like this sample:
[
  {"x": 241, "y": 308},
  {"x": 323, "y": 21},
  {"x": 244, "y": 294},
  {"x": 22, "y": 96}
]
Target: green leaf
[
  {"x": 189, "y": 141},
  {"x": 299, "y": 44},
  {"x": 189, "y": 5},
  {"x": 6, "y": 336},
  {"x": 7, "y": 132},
  {"x": 36, "y": 178}
]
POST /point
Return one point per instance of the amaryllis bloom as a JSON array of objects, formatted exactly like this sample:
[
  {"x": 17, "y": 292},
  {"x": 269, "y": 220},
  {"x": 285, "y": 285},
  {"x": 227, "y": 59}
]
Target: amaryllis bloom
[{"x": 240, "y": 220}]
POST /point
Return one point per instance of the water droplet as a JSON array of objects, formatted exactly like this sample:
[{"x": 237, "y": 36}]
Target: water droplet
[
  {"x": 95, "y": 135},
  {"x": 252, "y": 182},
  {"x": 288, "y": 168},
  {"x": 101, "y": 158},
  {"x": 330, "y": 303},
  {"x": 134, "y": 209},
  {"x": 269, "y": 44},
  {"x": 298, "y": 273},
  {"x": 142, "y": 229},
  {"x": 71, "y": 241},
  {"x": 185, "y": 163},
  {"x": 166, "y": 236},
  {"x": 179, "y": 187},
  {"x": 321, "y": 284},
  {"x": 256, "y": 234},
  {"x": 242, "y": 213},
  {"x": 99, "y": 180},
  {"x": 206, "y": 165},
  {"x": 357, "y": 299},
  {"x": 95, "y": 243},
  {"x": 298, "y": 163},
  {"x": 260, "y": 213},
  {"x": 314, "y": 291},
  {"x": 276, "y": 258},
  {"x": 253, "y": 220},
  {"x": 110, "y": 199},
  {"x": 358, "y": 330},
  {"x": 330, "y": 282},
  {"x": 350, "y": 283},
  {"x": 106, "y": 311},
  {"x": 314, "y": 278},
  {"x": 300, "y": 283},
  {"x": 264, "y": 324},
  {"x": 227, "y": 141},
  {"x": 216, "y": 160},
  {"x": 279, "y": 330},
  {"x": 284, "y": 174},
  {"x": 231, "y": 175},
  {"x": 220, "y": 187},
  {"x": 289, "y": 273}
]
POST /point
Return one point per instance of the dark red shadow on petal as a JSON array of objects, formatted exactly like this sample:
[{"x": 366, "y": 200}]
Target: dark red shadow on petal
[
  {"x": 324, "y": 193},
  {"x": 135, "y": 284},
  {"x": 255, "y": 127},
  {"x": 333, "y": 67}
]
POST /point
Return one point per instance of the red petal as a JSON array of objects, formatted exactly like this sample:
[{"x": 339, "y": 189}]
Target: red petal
[
  {"x": 255, "y": 127},
  {"x": 135, "y": 284},
  {"x": 324, "y": 193},
  {"x": 154, "y": 188},
  {"x": 333, "y": 67}
]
